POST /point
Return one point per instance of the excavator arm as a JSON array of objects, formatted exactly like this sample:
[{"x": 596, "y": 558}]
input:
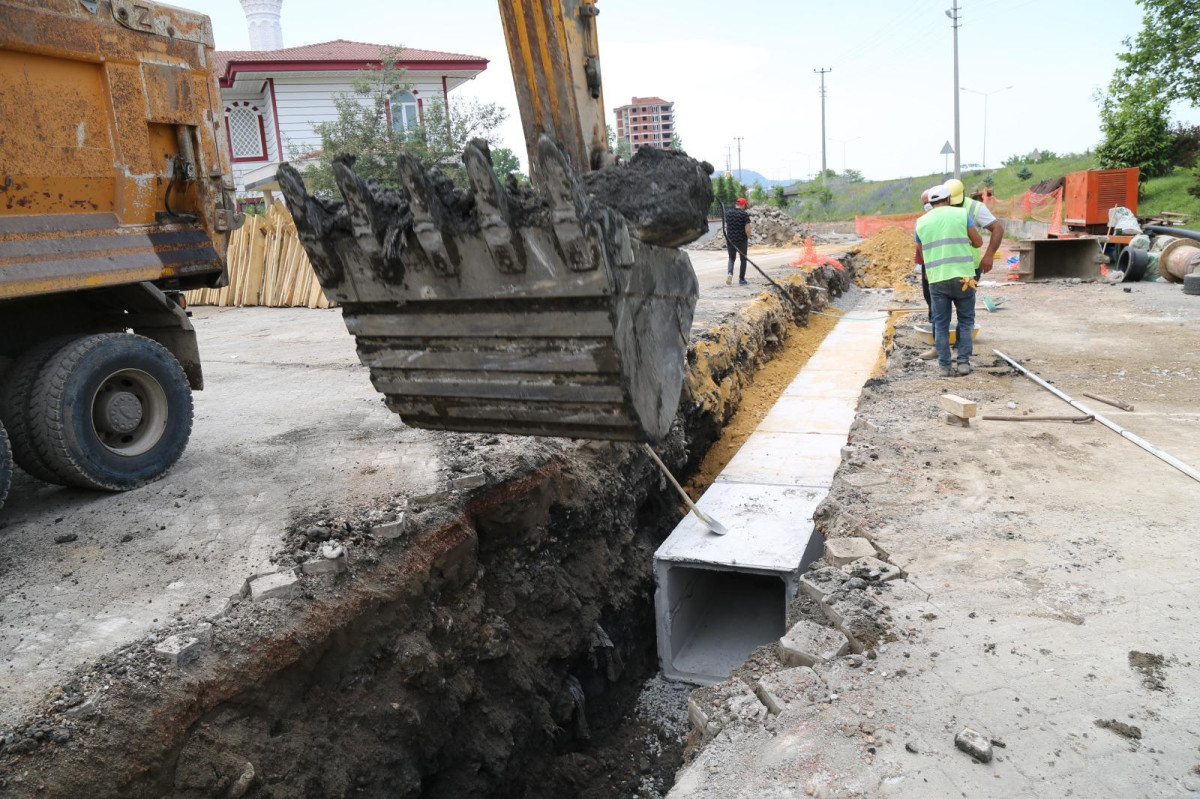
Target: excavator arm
[
  {"x": 555, "y": 55},
  {"x": 561, "y": 308}
]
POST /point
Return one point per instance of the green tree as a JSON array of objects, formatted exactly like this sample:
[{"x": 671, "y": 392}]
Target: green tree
[
  {"x": 853, "y": 176},
  {"x": 676, "y": 143},
  {"x": 1136, "y": 128},
  {"x": 778, "y": 198},
  {"x": 363, "y": 127},
  {"x": 611, "y": 138},
  {"x": 624, "y": 150},
  {"x": 758, "y": 194},
  {"x": 505, "y": 162},
  {"x": 989, "y": 180},
  {"x": 1024, "y": 173},
  {"x": 1166, "y": 49}
]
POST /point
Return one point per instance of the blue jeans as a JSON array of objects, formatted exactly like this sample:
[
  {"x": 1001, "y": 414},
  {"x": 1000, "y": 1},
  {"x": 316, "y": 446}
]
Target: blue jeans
[{"x": 945, "y": 296}]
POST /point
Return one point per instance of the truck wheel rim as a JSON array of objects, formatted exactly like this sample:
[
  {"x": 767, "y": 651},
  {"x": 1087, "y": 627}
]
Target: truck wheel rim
[{"x": 129, "y": 412}]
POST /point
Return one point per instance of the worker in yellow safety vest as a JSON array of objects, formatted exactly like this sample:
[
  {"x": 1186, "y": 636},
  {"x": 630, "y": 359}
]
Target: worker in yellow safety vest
[
  {"x": 984, "y": 219},
  {"x": 948, "y": 242}
]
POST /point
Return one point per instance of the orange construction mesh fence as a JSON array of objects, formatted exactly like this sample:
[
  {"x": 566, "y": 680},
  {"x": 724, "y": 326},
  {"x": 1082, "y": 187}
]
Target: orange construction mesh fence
[
  {"x": 810, "y": 257},
  {"x": 1027, "y": 205},
  {"x": 867, "y": 226}
]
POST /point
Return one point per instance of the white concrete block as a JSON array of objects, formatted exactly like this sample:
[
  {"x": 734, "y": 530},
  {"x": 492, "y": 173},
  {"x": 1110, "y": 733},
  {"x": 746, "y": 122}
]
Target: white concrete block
[
  {"x": 280, "y": 585},
  {"x": 827, "y": 385},
  {"x": 770, "y": 528},
  {"x": 807, "y": 643},
  {"x": 178, "y": 650},
  {"x": 872, "y": 569},
  {"x": 390, "y": 530},
  {"x": 797, "y": 686},
  {"x": 800, "y": 415},
  {"x": 788, "y": 459},
  {"x": 840, "y": 551}
]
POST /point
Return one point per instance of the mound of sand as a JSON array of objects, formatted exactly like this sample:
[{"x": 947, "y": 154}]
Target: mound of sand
[{"x": 885, "y": 260}]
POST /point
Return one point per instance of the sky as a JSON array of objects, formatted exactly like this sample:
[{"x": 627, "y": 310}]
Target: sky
[{"x": 746, "y": 69}]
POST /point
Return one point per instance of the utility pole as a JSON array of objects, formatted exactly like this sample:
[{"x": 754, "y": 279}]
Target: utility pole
[
  {"x": 985, "y": 95},
  {"x": 822, "y": 72},
  {"x": 955, "y": 23},
  {"x": 738, "y": 139},
  {"x": 728, "y": 161}
]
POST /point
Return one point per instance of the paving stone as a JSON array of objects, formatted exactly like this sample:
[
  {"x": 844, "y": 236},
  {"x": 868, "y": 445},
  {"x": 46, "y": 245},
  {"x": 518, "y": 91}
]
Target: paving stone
[
  {"x": 279, "y": 585},
  {"x": 469, "y": 481},
  {"x": 820, "y": 583},
  {"x": 807, "y": 643},
  {"x": 840, "y": 551},
  {"x": 390, "y": 530},
  {"x": 179, "y": 650},
  {"x": 781, "y": 689},
  {"x": 872, "y": 569}
]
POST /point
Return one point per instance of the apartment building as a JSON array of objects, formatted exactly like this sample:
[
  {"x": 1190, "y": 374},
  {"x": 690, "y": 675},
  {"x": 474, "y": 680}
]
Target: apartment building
[{"x": 646, "y": 122}]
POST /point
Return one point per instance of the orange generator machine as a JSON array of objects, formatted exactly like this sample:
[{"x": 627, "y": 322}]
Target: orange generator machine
[{"x": 1090, "y": 194}]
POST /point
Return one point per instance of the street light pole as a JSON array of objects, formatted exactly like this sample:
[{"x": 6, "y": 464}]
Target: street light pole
[
  {"x": 954, "y": 23},
  {"x": 738, "y": 139},
  {"x": 822, "y": 72},
  {"x": 985, "y": 95}
]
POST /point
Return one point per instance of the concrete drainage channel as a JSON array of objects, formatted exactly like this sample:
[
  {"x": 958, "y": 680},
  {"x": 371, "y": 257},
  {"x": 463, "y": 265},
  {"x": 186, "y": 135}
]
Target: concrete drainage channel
[
  {"x": 720, "y": 597},
  {"x": 501, "y": 643}
]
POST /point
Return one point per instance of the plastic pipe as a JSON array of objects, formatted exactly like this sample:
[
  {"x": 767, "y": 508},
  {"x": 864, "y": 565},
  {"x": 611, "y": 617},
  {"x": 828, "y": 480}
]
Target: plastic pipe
[
  {"x": 1172, "y": 231},
  {"x": 1116, "y": 428}
]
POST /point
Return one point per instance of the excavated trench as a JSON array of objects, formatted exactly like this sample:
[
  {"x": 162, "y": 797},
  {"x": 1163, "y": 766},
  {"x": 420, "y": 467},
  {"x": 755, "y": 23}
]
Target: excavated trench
[{"x": 500, "y": 647}]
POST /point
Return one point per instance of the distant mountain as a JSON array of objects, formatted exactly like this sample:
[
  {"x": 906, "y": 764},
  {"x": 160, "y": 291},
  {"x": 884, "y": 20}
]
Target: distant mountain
[{"x": 749, "y": 176}]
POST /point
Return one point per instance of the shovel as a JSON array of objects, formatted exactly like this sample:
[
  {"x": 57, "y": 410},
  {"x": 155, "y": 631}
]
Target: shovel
[{"x": 712, "y": 524}]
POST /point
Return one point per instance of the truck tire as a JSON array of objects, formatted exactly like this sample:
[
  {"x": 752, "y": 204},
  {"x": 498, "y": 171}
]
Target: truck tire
[
  {"x": 111, "y": 412},
  {"x": 6, "y": 466},
  {"x": 1191, "y": 283},
  {"x": 15, "y": 399}
]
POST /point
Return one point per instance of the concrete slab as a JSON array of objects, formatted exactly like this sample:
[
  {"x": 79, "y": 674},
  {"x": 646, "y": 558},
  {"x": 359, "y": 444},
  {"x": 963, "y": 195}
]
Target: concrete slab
[
  {"x": 829, "y": 384},
  {"x": 828, "y": 416},
  {"x": 791, "y": 459},
  {"x": 768, "y": 526}
]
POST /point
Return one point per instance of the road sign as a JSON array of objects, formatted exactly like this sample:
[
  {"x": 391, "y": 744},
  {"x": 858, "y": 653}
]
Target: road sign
[{"x": 947, "y": 149}]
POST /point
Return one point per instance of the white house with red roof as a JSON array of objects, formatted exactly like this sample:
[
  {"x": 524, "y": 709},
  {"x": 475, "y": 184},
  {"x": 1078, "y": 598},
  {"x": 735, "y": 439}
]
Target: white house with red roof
[{"x": 274, "y": 98}]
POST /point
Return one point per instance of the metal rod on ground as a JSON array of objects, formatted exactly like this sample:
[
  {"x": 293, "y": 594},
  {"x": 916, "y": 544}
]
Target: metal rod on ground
[
  {"x": 1116, "y": 428},
  {"x": 1075, "y": 419},
  {"x": 1116, "y": 403},
  {"x": 709, "y": 522}
]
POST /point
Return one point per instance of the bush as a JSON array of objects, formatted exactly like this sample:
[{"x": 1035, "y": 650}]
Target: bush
[
  {"x": 1185, "y": 144},
  {"x": 1024, "y": 173}
]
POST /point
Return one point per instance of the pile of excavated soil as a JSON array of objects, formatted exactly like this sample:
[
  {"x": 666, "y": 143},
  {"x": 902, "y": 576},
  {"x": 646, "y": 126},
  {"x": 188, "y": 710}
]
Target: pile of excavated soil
[
  {"x": 885, "y": 261},
  {"x": 769, "y": 227}
]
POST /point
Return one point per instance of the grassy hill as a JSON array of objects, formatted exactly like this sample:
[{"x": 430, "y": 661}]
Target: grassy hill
[{"x": 904, "y": 195}]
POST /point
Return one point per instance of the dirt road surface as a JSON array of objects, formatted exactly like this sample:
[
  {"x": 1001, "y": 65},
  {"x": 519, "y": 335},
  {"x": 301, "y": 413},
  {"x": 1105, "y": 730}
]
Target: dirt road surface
[
  {"x": 288, "y": 425},
  {"x": 1052, "y": 576}
]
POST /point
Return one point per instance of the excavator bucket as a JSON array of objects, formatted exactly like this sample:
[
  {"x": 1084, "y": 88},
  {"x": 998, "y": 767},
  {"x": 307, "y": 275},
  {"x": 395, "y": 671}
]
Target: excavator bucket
[{"x": 505, "y": 309}]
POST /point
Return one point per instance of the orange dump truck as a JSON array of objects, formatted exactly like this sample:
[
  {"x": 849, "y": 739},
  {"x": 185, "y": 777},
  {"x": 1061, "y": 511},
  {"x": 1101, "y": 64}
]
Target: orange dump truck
[{"x": 115, "y": 197}]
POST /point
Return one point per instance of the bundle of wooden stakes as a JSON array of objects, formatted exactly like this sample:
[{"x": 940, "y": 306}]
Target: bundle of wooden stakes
[{"x": 267, "y": 267}]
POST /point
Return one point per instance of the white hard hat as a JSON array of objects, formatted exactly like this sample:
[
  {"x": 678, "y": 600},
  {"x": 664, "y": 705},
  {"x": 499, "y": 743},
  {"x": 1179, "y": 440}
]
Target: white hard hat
[{"x": 939, "y": 193}]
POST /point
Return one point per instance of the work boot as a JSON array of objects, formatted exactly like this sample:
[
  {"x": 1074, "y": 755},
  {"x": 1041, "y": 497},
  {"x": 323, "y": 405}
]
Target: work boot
[
  {"x": 948, "y": 371},
  {"x": 928, "y": 355},
  {"x": 729, "y": 280},
  {"x": 964, "y": 368}
]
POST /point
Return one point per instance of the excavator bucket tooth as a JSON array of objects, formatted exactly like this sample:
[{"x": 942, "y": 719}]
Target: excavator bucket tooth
[
  {"x": 491, "y": 208},
  {"x": 508, "y": 309}
]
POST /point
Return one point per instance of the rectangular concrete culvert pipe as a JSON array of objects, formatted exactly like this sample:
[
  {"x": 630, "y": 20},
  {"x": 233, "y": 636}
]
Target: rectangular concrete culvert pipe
[{"x": 717, "y": 598}]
